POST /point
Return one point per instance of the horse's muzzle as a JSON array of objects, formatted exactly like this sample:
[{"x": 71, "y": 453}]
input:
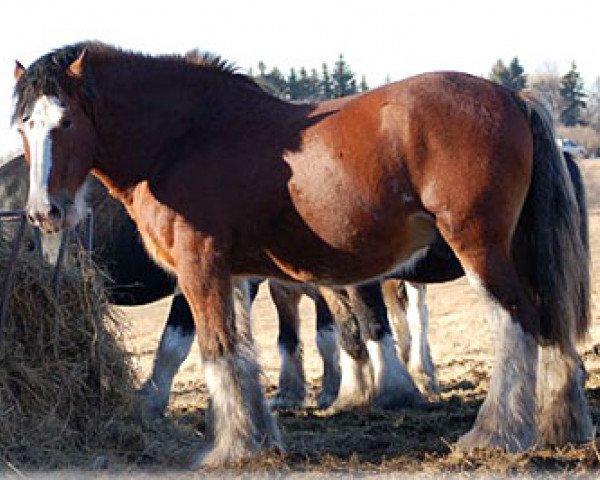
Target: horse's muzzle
[{"x": 49, "y": 217}]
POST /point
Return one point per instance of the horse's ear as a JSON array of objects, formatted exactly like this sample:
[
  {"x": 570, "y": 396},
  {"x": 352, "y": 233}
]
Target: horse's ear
[
  {"x": 78, "y": 65},
  {"x": 19, "y": 70}
]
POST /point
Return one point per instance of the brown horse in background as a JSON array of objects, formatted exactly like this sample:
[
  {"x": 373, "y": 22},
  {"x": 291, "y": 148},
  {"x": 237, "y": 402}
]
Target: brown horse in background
[{"x": 224, "y": 181}]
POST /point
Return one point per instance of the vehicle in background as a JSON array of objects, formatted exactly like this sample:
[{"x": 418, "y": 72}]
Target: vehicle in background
[{"x": 572, "y": 147}]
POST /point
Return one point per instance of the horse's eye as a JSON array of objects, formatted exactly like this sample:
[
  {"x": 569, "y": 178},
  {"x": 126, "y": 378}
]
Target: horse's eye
[{"x": 65, "y": 123}]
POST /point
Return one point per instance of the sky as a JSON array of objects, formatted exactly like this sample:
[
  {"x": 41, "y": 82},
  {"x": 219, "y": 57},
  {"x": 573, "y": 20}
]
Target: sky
[{"x": 379, "y": 38}]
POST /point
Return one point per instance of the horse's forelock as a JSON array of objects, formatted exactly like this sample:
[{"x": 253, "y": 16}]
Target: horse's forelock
[{"x": 43, "y": 77}]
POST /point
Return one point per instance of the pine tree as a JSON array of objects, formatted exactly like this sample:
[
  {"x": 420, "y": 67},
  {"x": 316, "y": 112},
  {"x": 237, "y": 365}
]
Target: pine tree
[
  {"x": 262, "y": 69},
  {"x": 314, "y": 85},
  {"x": 512, "y": 77},
  {"x": 326, "y": 84},
  {"x": 273, "y": 82},
  {"x": 343, "y": 79},
  {"x": 309, "y": 85},
  {"x": 364, "y": 86},
  {"x": 573, "y": 95},
  {"x": 294, "y": 87}
]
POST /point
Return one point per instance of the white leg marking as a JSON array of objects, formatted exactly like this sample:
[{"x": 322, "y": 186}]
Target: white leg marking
[
  {"x": 420, "y": 364},
  {"x": 239, "y": 421},
  {"x": 172, "y": 351},
  {"x": 393, "y": 386},
  {"x": 507, "y": 417},
  {"x": 356, "y": 384}
]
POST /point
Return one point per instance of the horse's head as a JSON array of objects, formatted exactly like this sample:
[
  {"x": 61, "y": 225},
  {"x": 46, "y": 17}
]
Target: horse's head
[{"x": 58, "y": 137}]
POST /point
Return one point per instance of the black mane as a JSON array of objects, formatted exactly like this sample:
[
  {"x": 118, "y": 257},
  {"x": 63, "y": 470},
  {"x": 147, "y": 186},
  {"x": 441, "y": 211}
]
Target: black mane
[{"x": 42, "y": 77}]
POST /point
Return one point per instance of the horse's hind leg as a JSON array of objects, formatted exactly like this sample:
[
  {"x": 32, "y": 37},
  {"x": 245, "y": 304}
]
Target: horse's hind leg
[
  {"x": 506, "y": 419},
  {"x": 420, "y": 364},
  {"x": 396, "y": 300},
  {"x": 356, "y": 388},
  {"x": 409, "y": 319},
  {"x": 327, "y": 344},
  {"x": 173, "y": 349},
  {"x": 393, "y": 386},
  {"x": 292, "y": 383},
  {"x": 563, "y": 412}
]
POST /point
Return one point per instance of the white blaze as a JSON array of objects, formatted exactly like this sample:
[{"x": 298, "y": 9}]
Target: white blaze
[{"x": 45, "y": 116}]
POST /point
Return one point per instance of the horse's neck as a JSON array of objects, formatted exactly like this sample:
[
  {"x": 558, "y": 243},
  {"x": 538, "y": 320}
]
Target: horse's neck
[{"x": 136, "y": 129}]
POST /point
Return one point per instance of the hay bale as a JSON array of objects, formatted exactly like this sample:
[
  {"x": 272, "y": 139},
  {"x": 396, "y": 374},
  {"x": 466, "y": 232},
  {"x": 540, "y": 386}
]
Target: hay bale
[
  {"x": 64, "y": 375},
  {"x": 67, "y": 385}
]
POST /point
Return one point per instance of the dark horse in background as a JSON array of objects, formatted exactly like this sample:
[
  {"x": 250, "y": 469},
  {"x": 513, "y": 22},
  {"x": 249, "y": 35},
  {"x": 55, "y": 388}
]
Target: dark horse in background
[
  {"x": 137, "y": 280},
  {"x": 225, "y": 181}
]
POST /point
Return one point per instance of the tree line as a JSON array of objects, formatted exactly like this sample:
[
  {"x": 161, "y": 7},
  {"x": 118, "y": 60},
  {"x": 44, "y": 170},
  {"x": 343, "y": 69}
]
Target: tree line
[
  {"x": 575, "y": 112},
  {"x": 564, "y": 96},
  {"x": 311, "y": 85}
]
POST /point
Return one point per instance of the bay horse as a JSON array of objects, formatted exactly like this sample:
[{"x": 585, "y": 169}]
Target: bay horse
[
  {"x": 225, "y": 181},
  {"x": 136, "y": 280}
]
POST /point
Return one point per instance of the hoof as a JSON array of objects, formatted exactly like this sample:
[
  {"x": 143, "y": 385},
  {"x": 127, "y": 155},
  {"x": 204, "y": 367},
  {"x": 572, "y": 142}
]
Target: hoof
[
  {"x": 481, "y": 437},
  {"x": 149, "y": 406},
  {"x": 286, "y": 402},
  {"x": 232, "y": 454},
  {"x": 576, "y": 430},
  {"x": 398, "y": 401},
  {"x": 325, "y": 400},
  {"x": 426, "y": 383},
  {"x": 348, "y": 403}
]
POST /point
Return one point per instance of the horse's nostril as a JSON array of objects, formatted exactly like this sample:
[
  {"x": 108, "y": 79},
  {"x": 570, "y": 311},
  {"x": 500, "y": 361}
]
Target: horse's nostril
[{"x": 54, "y": 211}]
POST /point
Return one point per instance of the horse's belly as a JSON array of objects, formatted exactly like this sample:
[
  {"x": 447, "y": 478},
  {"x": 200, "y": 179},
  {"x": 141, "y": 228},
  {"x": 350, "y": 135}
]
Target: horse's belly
[{"x": 349, "y": 255}]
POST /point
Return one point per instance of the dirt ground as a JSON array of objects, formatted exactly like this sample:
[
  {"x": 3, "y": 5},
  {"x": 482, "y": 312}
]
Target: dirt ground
[{"x": 386, "y": 442}]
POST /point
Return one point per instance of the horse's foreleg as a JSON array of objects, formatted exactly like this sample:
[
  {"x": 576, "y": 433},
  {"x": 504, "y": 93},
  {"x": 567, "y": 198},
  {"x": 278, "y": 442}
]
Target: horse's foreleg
[
  {"x": 420, "y": 364},
  {"x": 393, "y": 386},
  {"x": 175, "y": 344},
  {"x": 327, "y": 344},
  {"x": 356, "y": 388},
  {"x": 292, "y": 383},
  {"x": 239, "y": 422}
]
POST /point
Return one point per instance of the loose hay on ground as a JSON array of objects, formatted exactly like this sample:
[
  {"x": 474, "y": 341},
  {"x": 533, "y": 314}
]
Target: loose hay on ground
[{"x": 67, "y": 388}]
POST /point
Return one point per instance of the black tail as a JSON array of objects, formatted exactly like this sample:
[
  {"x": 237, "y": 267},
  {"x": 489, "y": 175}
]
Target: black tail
[{"x": 552, "y": 237}]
